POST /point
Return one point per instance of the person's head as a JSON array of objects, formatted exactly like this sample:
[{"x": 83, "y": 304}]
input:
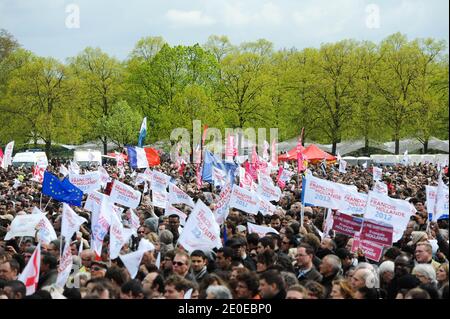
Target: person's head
[
  {"x": 132, "y": 290},
  {"x": 265, "y": 243},
  {"x": 9, "y": 270},
  {"x": 362, "y": 278},
  {"x": 54, "y": 248},
  {"x": 87, "y": 256},
  {"x": 224, "y": 257},
  {"x": 311, "y": 240},
  {"x": 15, "y": 289},
  {"x": 423, "y": 252},
  {"x": 264, "y": 260},
  {"x": 386, "y": 271},
  {"x": 141, "y": 232},
  {"x": 345, "y": 256},
  {"x": 328, "y": 243},
  {"x": 417, "y": 293},
  {"x": 153, "y": 284},
  {"x": 176, "y": 287},
  {"x": 410, "y": 227},
  {"x": 218, "y": 292},
  {"x": 403, "y": 265},
  {"x": 198, "y": 260},
  {"x": 366, "y": 293},
  {"x": 296, "y": 292},
  {"x": 341, "y": 289},
  {"x": 304, "y": 256},
  {"x": 287, "y": 242},
  {"x": 315, "y": 290},
  {"x": 442, "y": 274},
  {"x": 270, "y": 284},
  {"x": 174, "y": 223},
  {"x": 98, "y": 269},
  {"x": 181, "y": 263},
  {"x": 275, "y": 222},
  {"x": 330, "y": 265},
  {"x": 100, "y": 287},
  {"x": 425, "y": 273},
  {"x": 419, "y": 206},
  {"x": 118, "y": 276},
  {"x": 247, "y": 285}
]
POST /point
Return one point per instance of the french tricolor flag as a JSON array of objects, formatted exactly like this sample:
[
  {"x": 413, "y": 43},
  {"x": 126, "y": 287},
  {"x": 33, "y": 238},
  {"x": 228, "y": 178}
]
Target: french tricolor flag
[{"x": 142, "y": 157}]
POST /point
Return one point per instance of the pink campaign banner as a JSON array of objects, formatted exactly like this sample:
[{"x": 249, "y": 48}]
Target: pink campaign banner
[
  {"x": 371, "y": 250},
  {"x": 376, "y": 233},
  {"x": 346, "y": 224}
]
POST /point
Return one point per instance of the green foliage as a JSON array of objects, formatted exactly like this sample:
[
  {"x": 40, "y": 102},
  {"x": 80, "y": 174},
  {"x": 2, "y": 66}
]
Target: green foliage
[
  {"x": 122, "y": 125},
  {"x": 344, "y": 90}
]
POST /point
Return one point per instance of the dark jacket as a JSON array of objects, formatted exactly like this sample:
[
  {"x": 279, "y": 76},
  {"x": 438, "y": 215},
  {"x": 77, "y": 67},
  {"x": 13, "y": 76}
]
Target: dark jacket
[
  {"x": 48, "y": 278},
  {"x": 249, "y": 263},
  {"x": 312, "y": 274},
  {"x": 407, "y": 281},
  {"x": 327, "y": 282},
  {"x": 200, "y": 275},
  {"x": 280, "y": 295}
]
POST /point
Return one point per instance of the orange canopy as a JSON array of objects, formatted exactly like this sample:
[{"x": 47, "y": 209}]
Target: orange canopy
[{"x": 312, "y": 153}]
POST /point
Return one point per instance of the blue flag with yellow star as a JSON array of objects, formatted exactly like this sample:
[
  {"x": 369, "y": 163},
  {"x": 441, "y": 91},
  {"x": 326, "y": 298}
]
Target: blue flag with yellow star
[{"x": 63, "y": 191}]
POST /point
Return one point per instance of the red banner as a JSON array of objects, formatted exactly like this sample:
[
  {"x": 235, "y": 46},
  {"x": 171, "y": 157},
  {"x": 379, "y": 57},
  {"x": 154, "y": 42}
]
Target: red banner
[
  {"x": 376, "y": 233},
  {"x": 346, "y": 224}
]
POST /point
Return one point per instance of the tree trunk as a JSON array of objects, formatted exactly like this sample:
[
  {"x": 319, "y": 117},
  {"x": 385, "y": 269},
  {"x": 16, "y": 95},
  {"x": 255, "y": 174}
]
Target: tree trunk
[
  {"x": 105, "y": 147},
  {"x": 366, "y": 146},
  {"x": 425, "y": 146},
  {"x": 397, "y": 146},
  {"x": 333, "y": 149},
  {"x": 48, "y": 145}
]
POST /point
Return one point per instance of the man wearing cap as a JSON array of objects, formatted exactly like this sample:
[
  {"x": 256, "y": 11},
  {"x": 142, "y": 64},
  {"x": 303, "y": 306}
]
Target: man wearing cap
[
  {"x": 98, "y": 269},
  {"x": 239, "y": 246}
]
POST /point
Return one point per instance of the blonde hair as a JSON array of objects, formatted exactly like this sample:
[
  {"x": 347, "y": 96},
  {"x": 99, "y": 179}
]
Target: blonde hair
[{"x": 344, "y": 287}]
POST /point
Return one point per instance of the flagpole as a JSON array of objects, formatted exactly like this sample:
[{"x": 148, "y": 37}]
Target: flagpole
[
  {"x": 47, "y": 203},
  {"x": 40, "y": 202}
]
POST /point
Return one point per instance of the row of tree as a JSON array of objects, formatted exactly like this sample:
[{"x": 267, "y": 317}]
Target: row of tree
[{"x": 344, "y": 90}]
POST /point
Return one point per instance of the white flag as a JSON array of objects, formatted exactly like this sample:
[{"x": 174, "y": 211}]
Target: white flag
[
  {"x": 342, "y": 166},
  {"x": 188, "y": 293},
  {"x": 146, "y": 245},
  {"x": 70, "y": 222},
  {"x": 364, "y": 165},
  {"x": 132, "y": 261},
  {"x": 377, "y": 173},
  {"x": 30, "y": 274},
  {"x": 104, "y": 176},
  {"x": 260, "y": 230},
  {"x": 177, "y": 196},
  {"x": 158, "y": 260},
  {"x": 405, "y": 159},
  {"x": 46, "y": 232},
  {"x": 221, "y": 209},
  {"x": 219, "y": 177},
  {"x": 7, "y": 157},
  {"x": 63, "y": 170},
  {"x": 74, "y": 168},
  {"x": 116, "y": 237},
  {"x": 100, "y": 224},
  {"x": 201, "y": 230},
  {"x": 65, "y": 266},
  {"x": 244, "y": 200},
  {"x": 441, "y": 206}
]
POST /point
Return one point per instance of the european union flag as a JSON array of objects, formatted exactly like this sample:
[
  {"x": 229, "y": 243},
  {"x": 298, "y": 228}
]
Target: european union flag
[{"x": 63, "y": 191}]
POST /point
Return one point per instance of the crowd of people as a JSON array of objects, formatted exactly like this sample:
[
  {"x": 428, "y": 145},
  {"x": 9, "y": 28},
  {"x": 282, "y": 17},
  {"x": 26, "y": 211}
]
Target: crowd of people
[{"x": 298, "y": 262}]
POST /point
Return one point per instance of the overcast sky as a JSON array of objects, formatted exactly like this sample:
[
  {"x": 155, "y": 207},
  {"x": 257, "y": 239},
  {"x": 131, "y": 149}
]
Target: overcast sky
[{"x": 115, "y": 25}]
